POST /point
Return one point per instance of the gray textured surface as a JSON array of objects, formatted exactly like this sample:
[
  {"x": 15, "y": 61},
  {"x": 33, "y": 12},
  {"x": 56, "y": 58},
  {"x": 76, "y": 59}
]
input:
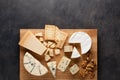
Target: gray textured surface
[{"x": 101, "y": 14}]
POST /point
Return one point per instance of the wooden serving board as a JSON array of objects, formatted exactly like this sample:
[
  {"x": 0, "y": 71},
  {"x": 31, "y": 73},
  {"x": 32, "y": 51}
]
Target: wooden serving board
[{"x": 24, "y": 75}]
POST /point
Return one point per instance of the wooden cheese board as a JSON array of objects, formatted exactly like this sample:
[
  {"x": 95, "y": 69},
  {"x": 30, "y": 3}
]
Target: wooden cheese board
[{"x": 24, "y": 75}]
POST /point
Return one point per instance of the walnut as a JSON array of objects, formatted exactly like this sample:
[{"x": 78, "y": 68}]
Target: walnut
[{"x": 84, "y": 64}]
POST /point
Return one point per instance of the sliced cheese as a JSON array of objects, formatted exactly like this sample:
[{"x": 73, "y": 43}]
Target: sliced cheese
[
  {"x": 74, "y": 69},
  {"x": 75, "y": 53},
  {"x": 60, "y": 38},
  {"x": 63, "y": 64},
  {"x": 83, "y": 38},
  {"x": 52, "y": 67},
  {"x": 29, "y": 41},
  {"x": 57, "y": 51},
  {"x": 50, "y": 32},
  {"x": 33, "y": 66},
  {"x": 68, "y": 48}
]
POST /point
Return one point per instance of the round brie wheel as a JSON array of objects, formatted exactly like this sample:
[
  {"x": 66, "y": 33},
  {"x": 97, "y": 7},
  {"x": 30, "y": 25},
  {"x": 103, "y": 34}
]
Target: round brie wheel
[
  {"x": 83, "y": 38},
  {"x": 33, "y": 66}
]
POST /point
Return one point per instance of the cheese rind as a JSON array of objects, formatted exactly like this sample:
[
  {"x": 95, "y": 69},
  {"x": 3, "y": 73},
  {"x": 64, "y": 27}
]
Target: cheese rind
[
  {"x": 29, "y": 41},
  {"x": 52, "y": 67},
  {"x": 74, "y": 69},
  {"x": 75, "y": 53},
  {"x": 63, "y": 64},
  {"x": 33, "y": 66}
]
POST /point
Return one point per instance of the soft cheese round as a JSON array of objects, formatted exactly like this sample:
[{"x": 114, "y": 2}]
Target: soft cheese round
[{"x": 83, "y": 38}]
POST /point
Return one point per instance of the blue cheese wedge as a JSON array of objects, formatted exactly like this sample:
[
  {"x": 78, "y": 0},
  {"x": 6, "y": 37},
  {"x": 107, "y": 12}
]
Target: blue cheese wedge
[
  {"x": 52, "y": 67},
  {"x": 29, "y": 41},
  {"x": 74, "y": 69},
  {"x": 33, "y": 66},
  {"x": 63, "y": 64}
]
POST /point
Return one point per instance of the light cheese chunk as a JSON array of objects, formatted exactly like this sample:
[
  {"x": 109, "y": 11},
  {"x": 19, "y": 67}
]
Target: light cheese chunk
[
  {"x": 57, "y": 51},
  {"x": 29, "y": 41},
  {"x": 33, "y": 66},
  {"x": 74, "y": 69},
  {"x": 68, "y": 48},
  {"x": 75, "y": 53},
  {"x": 52, "y": 67},
  {"x": 63, "y": 64}
]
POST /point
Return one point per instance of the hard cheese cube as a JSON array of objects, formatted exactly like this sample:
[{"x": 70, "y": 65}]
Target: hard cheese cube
[
  {"x": 57, "y": 51},
  {"x": 47, "y": 57},
  {"x": 68, "y": 48},
  {"x": 63, "y": 64},
  {"x": 51, "y": 52},
  {"x": 74, "y": 69}
]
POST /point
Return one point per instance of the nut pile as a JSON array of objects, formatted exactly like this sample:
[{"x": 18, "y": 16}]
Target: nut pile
[{"x": 89, "y": 67}]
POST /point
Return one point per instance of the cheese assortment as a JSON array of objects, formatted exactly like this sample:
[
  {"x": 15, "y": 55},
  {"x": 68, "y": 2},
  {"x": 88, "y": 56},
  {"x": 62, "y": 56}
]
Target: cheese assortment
[
  {"x": 33, "y": 66},
  {"x": 50, "y": 43}
]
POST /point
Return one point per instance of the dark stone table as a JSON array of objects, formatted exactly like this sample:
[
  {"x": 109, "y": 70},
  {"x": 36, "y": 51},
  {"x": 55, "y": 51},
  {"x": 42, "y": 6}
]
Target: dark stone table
[{"x": 101, "y": 14}]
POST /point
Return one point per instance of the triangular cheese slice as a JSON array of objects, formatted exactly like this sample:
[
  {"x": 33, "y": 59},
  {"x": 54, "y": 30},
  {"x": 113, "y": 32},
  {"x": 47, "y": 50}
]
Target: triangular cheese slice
[
  {"x": 29, "y": 41},
  {"x": 75, "y": 53},
  {"x": 52, "y": 67},
  {"x": 33, "y": 66}
]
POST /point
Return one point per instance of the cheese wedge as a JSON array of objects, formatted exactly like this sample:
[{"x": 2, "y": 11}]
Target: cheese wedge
[
  {"x": 33, "y": 66},
  {"x": 84, "y": 39},
  {"x": 63, "y": 64},
  {"x": 52, "y": 67},
  {"x": 74, "y": 69},
  {"x": 29, "y": 41},
  {"x": 75, "y": 53},
  {"x": 50, "y": 32}
]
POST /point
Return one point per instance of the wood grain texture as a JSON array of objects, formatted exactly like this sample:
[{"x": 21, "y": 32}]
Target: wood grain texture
[{"x": 24, "y": 75}]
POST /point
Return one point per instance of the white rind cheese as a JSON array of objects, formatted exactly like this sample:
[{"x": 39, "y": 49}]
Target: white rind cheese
[
  {"x": 75, "y": 53},
  {"x": 63, "y": 64},
  {"x": 29, "y": 41},
  {"x": 83, "y": 38},
  {"x": 52, "y": 67},
  {"x": 33, "y": 66}
]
